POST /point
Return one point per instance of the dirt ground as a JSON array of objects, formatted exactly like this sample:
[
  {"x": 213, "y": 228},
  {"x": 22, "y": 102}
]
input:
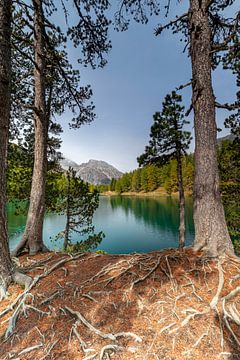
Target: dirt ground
[{"x": 161, "y": 305}]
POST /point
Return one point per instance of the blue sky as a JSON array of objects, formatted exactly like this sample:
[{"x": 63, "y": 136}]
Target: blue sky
[{"x": 141, "y": 70}]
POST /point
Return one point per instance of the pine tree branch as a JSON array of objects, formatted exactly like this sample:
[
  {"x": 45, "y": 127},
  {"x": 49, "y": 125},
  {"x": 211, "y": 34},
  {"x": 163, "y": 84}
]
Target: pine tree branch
[
  {"x": 21, "y": 3},
  {"x": 25, "y": 55},
  {"x": 61, "y": 71},
  {"x": 30, "y": 107},
  {"x": 233, "y": 28},
  {"x": 227, "y": 106},
  {"x": 224, "y": 45},
  {"x": 160, "y": 28},
  {"x": 189, "y": 110},
  {"x": 184, "y": 86}
]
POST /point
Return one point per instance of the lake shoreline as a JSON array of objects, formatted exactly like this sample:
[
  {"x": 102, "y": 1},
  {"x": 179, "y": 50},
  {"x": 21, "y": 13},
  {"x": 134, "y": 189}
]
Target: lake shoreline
[{"x": 158, "y": 192}]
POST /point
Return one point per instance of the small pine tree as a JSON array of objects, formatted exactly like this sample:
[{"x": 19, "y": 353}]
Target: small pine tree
[
  {"x": 79, "y": 205},
  {"x": 169, "y": 141}
]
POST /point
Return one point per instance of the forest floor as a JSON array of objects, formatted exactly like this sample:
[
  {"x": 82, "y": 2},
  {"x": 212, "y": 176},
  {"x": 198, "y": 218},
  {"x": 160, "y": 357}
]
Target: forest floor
[{"x": 160, "y": 305}]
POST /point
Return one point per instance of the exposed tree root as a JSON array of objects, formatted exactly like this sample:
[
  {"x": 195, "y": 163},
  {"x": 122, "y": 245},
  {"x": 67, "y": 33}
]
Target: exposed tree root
[
  {"x": 214, "y": 301},
  {"x": 23, "y": 245},
  {"x": 29, "y": 349},
  {"x": 19, "y": 302},
  {"x": 147, "y": 275},
  {"x": 106, "y": 336},
  {"x": 108, "y": 348},
  {"x": 17, "y": 277},
  {"x": 100, "y": 333},
  {"x": 3, "y": 291},
  {"x": 21, "y": 279}
]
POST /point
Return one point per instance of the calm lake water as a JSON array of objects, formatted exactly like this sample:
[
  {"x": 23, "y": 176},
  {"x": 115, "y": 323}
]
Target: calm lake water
[{"x": 131, "y": 224}]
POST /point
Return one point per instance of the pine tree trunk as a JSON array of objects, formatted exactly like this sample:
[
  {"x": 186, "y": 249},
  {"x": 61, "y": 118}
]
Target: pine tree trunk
[
  {"x": 211, "y": 232},
  {"x": 66, "y": 232},
  {"x": 5, "y": 81},
  {"x": 67, "y": 226},
  {"x": 33, "y": 238},
  {"x": 181, "y": 203}
]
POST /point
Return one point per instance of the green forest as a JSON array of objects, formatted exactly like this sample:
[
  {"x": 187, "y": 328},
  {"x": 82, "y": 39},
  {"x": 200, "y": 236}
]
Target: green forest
[{"x": 151, "y": 177}]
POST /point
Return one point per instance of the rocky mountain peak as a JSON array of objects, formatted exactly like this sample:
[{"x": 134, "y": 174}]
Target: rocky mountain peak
[{"x": 95, "y": 172}]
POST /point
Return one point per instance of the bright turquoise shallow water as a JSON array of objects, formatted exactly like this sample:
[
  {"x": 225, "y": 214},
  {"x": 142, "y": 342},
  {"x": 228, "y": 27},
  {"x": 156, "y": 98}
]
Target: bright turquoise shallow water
[{"x": 131, "y": 224}]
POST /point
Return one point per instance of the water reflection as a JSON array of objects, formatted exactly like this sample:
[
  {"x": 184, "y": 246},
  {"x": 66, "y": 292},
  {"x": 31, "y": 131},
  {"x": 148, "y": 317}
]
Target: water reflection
[
  {"x": 159, "y": 213},
  {"x": 130, "y": 224}
]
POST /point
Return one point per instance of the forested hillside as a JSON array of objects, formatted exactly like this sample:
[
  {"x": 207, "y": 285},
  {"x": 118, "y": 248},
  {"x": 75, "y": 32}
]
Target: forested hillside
[{"x": 151, "y": 177}]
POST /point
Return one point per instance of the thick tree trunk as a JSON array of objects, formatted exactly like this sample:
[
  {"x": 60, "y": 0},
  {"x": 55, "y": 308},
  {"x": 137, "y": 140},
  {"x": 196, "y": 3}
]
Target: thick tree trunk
[
  {"x": 211, "y": 232},
  {"x": 32, "y": 238},
  {"x": 181, "y": 203},
  {"x": 5, "y": 84}
]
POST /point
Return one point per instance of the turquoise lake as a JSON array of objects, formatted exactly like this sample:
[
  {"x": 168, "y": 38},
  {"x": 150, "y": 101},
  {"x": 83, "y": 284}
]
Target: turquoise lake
[{"x": 130, "y": 224}]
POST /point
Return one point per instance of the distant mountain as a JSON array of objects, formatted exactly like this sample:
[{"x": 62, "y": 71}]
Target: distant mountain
[
  {"x": 94, "y": 171},
  {"x": 66, "y": 163},
  {"x": 230, "y": 137}
]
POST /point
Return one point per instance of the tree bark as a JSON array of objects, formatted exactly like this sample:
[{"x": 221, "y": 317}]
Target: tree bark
[
  {"x": 32, "y": 238},
  {"x": 181, "y": 203},
  {"x": 211, "y": 232},
  {"x": 67, "y": 227},
  {"x": 5, "y": 88}
]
